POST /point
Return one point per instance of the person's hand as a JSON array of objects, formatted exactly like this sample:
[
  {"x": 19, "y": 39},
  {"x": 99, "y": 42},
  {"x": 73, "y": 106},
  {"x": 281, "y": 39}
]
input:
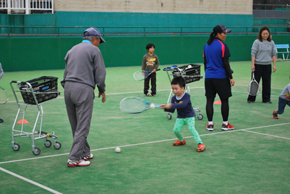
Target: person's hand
[
  {"x": 166, "y": 106},
  {"x": 103, "y": 97},
  {"x": 274, "y": 68},
  {"x": 154, "y": 70},
  {"x": 253, "y": 67},
  {"x": 232, "y": 82}
]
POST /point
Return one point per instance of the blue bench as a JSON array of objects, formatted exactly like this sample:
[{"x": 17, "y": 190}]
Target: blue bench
[{"x": 285, "y": 50}]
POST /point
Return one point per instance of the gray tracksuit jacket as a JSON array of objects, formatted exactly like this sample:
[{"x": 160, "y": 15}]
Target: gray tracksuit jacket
[{"x": 85, "y": 64}]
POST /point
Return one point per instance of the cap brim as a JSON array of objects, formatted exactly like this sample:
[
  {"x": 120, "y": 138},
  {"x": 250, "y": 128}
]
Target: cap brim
[
  {"x": 227, "y": 31},
  {"x": 102, "y": 40}
]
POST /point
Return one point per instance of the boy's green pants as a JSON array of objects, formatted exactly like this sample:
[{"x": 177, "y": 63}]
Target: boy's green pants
[{"x": 180, "y": 122}]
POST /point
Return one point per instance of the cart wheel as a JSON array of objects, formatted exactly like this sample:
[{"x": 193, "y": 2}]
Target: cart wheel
[
  {"x": 36, "y": 151},
  {"x": 47, "y": 143},
  {"x": 200, "y": 117},
  {"x": 16, "y": 147},
  {"x": 169, "y": 116},
  {"x": 57, "y": 145}
]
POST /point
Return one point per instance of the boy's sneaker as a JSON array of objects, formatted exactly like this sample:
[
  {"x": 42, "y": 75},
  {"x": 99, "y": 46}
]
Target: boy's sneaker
[
  {"x": 71, "y": 163},
  {"x": 200, "y": 147},
  {"x": 227, "y": 127},
  {"x": 209, "y": 127},
  {"x": 88, "y": 157},
  {"x": 275, "y": 115},
  {"x": 177, "y": 143}
]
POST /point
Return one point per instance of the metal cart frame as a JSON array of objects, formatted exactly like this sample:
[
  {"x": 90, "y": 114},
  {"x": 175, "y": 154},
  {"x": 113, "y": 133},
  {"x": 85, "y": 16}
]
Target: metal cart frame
[
  {"x": 190, "y": 74},
  {"x": 27, "y": 88}
]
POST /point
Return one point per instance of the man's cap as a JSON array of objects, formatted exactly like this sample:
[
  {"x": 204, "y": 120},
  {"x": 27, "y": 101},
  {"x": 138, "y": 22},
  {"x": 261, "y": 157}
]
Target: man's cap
[
  {"x": 93, "y": 32},
  {"x": 220, "y": 29}
]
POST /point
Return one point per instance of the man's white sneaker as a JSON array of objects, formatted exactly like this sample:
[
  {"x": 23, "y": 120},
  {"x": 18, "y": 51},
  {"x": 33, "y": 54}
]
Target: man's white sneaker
[
  {"x": 88, "y": 157},
  {"x": 71, "y": 163}
]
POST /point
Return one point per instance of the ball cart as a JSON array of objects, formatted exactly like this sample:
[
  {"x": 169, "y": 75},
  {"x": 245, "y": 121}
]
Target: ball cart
[
  {"x": 191, "y": 73},
  {"x": 33, "y": 93}
]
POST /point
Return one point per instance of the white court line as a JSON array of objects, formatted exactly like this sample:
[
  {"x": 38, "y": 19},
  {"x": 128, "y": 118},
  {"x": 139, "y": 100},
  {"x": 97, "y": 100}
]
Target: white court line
[
  {"x": 137, "y": 92},
  {"x": 265, "y": 126},
  {"x": 109, "y": 94},
  {"x": 266, "y": 134},
  {"x": 30, "y": 181},
  {"x": 142, "y": 91},
  {"x": 145, "y": 143}
]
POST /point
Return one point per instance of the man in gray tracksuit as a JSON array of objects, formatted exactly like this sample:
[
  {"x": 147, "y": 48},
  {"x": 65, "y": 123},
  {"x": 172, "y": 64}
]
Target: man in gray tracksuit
[{"x": 84, "y": 70}]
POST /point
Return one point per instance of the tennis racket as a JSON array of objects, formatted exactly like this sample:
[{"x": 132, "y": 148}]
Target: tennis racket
[
  {"x": 143, "y": 74},
  {"x": 3, "y": 96},
  {"x": 254, "y": 87},
  {"x": 135, "y": 105}
]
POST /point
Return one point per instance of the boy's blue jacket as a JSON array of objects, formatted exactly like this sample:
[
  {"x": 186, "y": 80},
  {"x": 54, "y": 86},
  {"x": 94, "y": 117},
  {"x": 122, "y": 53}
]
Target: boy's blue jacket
[{"x": 183, "y": 106}]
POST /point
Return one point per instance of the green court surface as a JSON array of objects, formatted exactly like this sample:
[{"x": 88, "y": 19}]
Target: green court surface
[{"x": 252, "y": 158}]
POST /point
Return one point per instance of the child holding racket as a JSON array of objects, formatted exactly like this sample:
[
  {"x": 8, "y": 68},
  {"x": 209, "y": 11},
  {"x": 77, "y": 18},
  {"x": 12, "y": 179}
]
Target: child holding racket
[
  {"x": 150, "y": 63},
  {"x": 185, "y": 113},
  {"x": 284, "y": 99}
]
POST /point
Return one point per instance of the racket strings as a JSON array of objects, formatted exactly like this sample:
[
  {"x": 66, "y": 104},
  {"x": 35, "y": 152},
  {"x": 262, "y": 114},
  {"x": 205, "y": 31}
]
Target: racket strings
[
  {"x": 131, "y": 105},
  {"x": 140, "y": 75},
  {"x": 254, "y": 88},
  {"x": 3, "y": 96}
]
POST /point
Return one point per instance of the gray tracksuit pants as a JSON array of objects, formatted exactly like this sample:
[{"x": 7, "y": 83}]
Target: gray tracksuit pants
[{"x": 79, "y": 100}]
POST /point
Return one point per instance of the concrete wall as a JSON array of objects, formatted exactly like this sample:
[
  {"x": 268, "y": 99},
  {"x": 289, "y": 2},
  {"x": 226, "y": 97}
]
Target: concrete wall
[{"x": 158, "y": 6}]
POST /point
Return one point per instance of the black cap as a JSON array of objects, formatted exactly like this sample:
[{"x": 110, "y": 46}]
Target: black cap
[
  {"x": 220, "y": 29},
  {"x": 93, "y": 32}
]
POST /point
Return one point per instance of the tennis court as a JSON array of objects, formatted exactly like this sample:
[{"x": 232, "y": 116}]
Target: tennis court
[{"x": 253, "y": 158}]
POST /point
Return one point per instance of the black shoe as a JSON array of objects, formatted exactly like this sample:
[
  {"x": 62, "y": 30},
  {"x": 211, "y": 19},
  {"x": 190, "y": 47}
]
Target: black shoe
[{"x": 269, "y": 102}]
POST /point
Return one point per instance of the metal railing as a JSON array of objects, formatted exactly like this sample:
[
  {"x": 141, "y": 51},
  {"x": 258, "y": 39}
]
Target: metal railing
[
  {"x": 26, "y": 6},
  {"x": 33, "y": 31},
  {"x": 271, "y": 7},
  {"x": 272, "y": 11}
]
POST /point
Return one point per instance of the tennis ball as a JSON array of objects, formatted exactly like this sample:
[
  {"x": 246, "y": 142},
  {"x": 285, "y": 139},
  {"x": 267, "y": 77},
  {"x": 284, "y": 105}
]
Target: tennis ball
[
  {"x": 189, "y": 66},
  {"x": 118, "y": 150},
  {"x": 152, "y": 105}
]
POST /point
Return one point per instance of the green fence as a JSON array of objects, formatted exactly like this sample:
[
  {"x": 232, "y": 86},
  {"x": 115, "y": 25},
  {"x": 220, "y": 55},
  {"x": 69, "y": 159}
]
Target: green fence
[{"x": 42, "y": 53}]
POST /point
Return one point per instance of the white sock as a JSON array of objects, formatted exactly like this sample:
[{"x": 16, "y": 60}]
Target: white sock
[
  {"x": 226, "y": 122},
  {"x": 210, "y": 123}
]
